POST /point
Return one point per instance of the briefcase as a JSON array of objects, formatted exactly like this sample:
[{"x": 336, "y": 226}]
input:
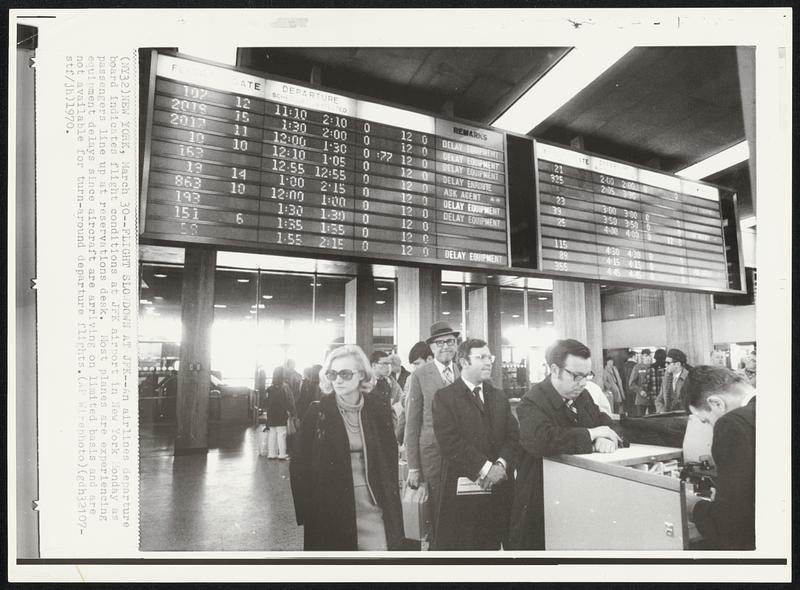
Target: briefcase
[{"x": 416, "y": 512}]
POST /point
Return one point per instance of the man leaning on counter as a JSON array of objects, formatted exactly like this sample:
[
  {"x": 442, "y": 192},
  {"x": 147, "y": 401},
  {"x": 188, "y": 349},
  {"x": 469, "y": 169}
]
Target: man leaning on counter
[
  {"x": 557, "y": 416},
  {"x": 725, "y": 400}
]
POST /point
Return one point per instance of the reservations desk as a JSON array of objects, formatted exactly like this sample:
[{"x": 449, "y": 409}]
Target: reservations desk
[{"x": 617, "y": 500}]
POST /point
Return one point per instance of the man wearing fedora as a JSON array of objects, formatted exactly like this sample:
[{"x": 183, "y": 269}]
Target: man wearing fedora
[{"x": 422, "y": 450}]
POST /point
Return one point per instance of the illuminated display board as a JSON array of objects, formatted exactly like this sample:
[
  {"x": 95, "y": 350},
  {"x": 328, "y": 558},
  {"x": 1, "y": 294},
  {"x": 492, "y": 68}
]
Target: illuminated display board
[
  {"x": 235, "y": 159},
  {"x": 607, "y": 220}
]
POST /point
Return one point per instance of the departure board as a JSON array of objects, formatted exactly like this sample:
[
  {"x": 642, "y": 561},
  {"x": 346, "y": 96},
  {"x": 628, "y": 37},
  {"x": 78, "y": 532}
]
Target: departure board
[
  {"x": 236, "y": 159},
  {"x": 606, "y": 220}
]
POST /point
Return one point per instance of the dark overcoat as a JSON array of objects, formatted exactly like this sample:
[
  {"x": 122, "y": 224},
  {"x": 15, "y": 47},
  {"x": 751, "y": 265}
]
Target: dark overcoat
[
  {"x": 322, "y": 478},
  {"x": 468, "y": 436},
  {"x": 729, "y": 521},
  {"x": 547, "y": 427}
]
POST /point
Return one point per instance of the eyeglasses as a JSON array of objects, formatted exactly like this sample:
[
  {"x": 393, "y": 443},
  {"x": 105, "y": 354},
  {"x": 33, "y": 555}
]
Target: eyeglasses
[
  {"x": 345, "y": 374},
  {"x": 441, "y": 343},
  {"x": 384, "y": 363},
  {"x": 483, "y": 357},
  {"x": 579, "y": 376}
]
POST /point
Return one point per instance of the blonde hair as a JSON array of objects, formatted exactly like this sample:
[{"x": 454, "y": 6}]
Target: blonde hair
[{"x": 367, "y": 381}]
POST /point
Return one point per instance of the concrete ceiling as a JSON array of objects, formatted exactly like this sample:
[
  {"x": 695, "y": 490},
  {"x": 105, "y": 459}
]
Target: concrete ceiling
[{"x": 662, "y": 107}]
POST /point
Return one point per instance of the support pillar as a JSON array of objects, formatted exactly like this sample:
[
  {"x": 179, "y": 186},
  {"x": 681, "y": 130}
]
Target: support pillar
[
  {"x": 688, "y": 321},
  {"x": 418, "y": 303},
  {"x": 194, "y": 372},
  {"x": 484, "y": 323},
  {"x": 359, "y": 312},
  {"x": 576, "y": 314}
]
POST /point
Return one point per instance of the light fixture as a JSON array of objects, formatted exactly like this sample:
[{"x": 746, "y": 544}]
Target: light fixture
[
  {"x": 631, "y": 315},
  {"x": 549, "y": 323},
  {"x": 564, "y": 80},
  {"x": 445, "y": 313},
  {"x": 328, "y": 319},
  {"x": 383, "y": 288},
  {"x": 380, "y": 302},
  {"x": 341, "y": 315},
  {"x": 516, "y": 315},
  {"x": 747, "y": 222},
  {"x": 315, "y": 284},
  {"x": 260, "y": 306},
  {"x": 145, "y": 302},
  {"x": 716, "y": 163},
  {"x": 444, "y": 292},
  {"x": 542, "y": 298},
  {"x": 549, "y": 310},
  {"x": 220, "y": 306},
  {"x": 266, "y": 296},
  {"x": 242, "y": 280},
  {"x": 252, "y": 311},
  {"x": 160, "y": 276}
]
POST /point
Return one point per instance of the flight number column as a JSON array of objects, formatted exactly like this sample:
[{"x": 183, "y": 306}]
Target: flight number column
[
  {"x": 394, "y": 187},
  {"x": 567, "y": 218},
  {"x": 204, "y": 166}
]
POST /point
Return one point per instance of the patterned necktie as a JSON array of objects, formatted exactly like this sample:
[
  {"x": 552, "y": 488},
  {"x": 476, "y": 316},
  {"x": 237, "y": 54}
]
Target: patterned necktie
[
  {"x": 447, "y": 375},
  {"x": 477, "y": 393},
  {"x": 573, "y": 411}
]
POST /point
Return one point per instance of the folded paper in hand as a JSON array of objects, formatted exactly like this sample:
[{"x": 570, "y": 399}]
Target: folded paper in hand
[{"x": 467, "y": 487}]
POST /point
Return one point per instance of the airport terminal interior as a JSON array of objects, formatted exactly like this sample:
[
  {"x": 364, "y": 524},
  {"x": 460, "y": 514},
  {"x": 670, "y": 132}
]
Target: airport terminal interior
[{"x": 219, "y": 312}]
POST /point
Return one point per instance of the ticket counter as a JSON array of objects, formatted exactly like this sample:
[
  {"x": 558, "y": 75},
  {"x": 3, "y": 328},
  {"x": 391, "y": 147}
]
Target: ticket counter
[{"x": 631, "y": 499}]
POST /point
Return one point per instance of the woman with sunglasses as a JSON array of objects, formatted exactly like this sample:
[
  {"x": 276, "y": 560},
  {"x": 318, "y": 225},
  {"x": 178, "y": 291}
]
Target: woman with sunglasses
[{"x": 344, "y": 478}]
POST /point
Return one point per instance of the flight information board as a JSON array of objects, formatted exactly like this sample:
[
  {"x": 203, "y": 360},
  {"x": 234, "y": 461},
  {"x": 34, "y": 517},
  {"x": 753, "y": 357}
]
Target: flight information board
[
  {"x": 236, "y": 159},
  {"x": 607, "y": 220}
]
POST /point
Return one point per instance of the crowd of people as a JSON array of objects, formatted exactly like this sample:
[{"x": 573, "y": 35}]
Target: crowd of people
[{"x": 357, "y": 416}]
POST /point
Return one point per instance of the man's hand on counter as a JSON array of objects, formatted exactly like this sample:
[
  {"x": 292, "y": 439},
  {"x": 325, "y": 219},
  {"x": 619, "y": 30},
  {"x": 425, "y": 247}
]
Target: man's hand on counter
[
  {"x": 600, "y": 432},
  {"x": 604, "y": 445}
]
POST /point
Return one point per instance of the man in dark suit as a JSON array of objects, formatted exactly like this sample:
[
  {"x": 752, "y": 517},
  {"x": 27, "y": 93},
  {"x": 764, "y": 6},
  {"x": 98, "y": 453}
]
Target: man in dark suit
[
  {"x": 399, "y": 372},
  {"x": 557, "y": 416},
  {"x": 478, "y": 439},
  {"x": 725, "y": 400}
]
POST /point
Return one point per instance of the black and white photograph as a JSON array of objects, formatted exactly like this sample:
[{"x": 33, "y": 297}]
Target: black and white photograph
[{"x": 295, "y": 297}]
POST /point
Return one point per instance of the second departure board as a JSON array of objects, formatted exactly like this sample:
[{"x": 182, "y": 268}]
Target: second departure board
[
  {"x": 235, "y": 159},
  {"x": 607, "y": 220}
]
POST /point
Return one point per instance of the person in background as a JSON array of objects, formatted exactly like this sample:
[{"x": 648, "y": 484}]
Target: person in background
[
  {"x": 627, "y": 368},
  {"x": 659, "y": 369},
  {"x": 671, "y": 396},
  {"x": 422, "y": 449},
  {"x": 292, "y": 378},
  {"x": 642, "y": 384},
  {"x": 749, "y": 367},
  {"x": 419, "y": 355},
  {"x": 599, "y": 397},
  {"x": 385, "y": 386},
  {"x": 399, "y": 372},
  {"x": 612, "y": 382},
  {"x": 724, "y": 399},
  {"x": 718, "y": 358},
  {"x": 479, "y": 439},
  {"x": 309, "y": 389},
  {"x": 279, "y": 408},
  {"x": 345, "y": 473},
  {"x": 556, "y": 416}
]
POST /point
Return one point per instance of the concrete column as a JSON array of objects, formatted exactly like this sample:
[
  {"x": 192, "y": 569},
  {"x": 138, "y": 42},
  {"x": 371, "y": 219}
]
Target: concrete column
[
  {"x": 418, "y": 303},
  {"x": 688, "y": 321},
  {"x": 484, "y": 322},
  {"x": 359, "y": 312},
  {"x": 576, "y": 314},
  {"x": 194, "y": 372},
  {"x": 746, "y": 60}
]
